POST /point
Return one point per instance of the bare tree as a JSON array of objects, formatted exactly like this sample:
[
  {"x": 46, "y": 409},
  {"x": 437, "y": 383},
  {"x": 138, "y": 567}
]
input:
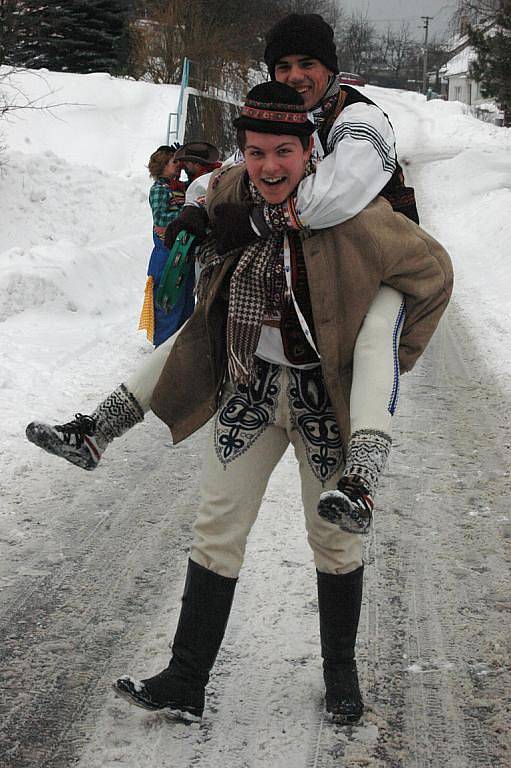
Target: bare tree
[
  {"x": 473, "y": 12},
  {"x": 396, "y": 48},
  {"x": 438, "y": 55},
  {"x": 329, "y": 9},
  {"x": 356, "y": 40},
  {"x": 218, "y": 36}
]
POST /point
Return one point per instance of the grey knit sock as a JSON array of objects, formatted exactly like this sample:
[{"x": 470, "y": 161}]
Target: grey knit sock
[
  {"x": 115, "y": 415},
  {"x": 368, "y": 451}
]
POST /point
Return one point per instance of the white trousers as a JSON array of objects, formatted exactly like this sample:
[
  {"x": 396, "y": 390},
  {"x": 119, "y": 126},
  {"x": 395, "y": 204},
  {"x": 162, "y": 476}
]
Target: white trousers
[
  {"x": 375, "y": 386},
  {"x": 142, "y": 382},
  {"x": 251, "y": 430},
  {"x": 375, "y": 383}
]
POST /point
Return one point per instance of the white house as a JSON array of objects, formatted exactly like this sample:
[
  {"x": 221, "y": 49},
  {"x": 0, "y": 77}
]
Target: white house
[{"x": 462, "y": 87}]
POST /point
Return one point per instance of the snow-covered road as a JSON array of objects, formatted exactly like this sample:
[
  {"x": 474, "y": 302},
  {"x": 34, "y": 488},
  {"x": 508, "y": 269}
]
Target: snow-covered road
[
  {"x": 92, "y": 564},
  {"x": 94, "y": 592}
]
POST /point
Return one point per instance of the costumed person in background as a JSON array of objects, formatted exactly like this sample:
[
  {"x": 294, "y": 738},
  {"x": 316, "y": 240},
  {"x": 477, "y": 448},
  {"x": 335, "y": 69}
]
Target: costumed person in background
[
  {"x": 198, "y": 158},
  {"x": 269, "y": 350},
  {"x": 166, "y": 198}
]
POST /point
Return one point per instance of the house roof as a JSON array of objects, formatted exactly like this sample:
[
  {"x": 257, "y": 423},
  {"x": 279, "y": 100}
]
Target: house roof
[{"x": 459, "y": 64}]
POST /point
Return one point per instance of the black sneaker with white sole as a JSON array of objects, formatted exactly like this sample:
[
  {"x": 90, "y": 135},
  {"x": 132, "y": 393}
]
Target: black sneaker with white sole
[
  {"x": 350, "y": 506},
  {"x": 75, "y": 441}
]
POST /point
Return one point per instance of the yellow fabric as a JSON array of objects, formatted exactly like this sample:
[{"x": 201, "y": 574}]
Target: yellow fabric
[{"x": 146, "y": 322}]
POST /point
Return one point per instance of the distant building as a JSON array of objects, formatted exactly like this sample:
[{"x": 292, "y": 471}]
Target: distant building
[{"x": 461, "y": 86}]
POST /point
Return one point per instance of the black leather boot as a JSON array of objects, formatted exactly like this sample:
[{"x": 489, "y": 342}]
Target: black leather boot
[
  {"x": 339, "y": 600},
  {"x": 179, "y": 689}
]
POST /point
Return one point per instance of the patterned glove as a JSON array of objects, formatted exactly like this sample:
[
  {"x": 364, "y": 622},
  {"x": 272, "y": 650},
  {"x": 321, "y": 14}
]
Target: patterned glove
[
  {"x": 232, "y": 226},
  {"x": 193, "y": 219}
]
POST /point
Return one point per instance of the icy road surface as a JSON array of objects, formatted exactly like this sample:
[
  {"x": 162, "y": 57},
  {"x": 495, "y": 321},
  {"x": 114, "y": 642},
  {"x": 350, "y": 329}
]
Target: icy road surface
[{"x": 94, "y": 592}]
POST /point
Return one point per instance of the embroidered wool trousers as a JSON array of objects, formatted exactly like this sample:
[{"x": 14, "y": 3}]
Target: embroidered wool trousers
[
  {"x": 375, "y": 386},
  {"x": 253, "y": 427}
]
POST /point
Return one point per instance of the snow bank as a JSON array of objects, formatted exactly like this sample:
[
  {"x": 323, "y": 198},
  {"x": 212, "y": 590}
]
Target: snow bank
[
  {"x": 93, "y": 119},
  {"x": 461, "y": 168}
]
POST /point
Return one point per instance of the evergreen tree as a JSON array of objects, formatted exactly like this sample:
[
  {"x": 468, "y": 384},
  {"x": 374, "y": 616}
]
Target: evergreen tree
[
  {"x": 8, "y": 20},
  {"x": 35, "y": 22},
  {"x": 74, "y": 36},
  {"x": 492, "y": 67}
]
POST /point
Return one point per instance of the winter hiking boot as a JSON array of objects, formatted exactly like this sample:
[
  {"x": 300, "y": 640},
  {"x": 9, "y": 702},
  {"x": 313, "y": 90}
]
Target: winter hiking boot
[
  {"x": 83, "y": 440},
  {"x": 179, "y": 690},
  {"x": 339, "y": 601},
  {"x": 350, "y": 506}
]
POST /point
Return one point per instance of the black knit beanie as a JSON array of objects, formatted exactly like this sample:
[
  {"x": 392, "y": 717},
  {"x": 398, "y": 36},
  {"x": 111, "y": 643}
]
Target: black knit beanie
[
  {"x": 301, "y": 33},
  {"x": 274, "y": 108}
]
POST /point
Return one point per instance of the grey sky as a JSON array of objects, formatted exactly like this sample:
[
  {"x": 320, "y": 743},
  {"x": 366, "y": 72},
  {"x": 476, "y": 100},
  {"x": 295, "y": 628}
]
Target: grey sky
[{"x": 397, "y": 11}]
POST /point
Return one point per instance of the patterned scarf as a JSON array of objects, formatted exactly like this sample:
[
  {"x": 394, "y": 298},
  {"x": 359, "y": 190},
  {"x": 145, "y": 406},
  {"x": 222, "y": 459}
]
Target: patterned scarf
[
  {"x": 247, "y": 295},
  {"x": 248, "y": 292},
  {"x": 328, "y": 103}
]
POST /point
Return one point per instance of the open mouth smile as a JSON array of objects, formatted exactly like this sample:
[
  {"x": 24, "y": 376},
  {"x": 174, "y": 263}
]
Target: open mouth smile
[{"x": 272, "y": 182}]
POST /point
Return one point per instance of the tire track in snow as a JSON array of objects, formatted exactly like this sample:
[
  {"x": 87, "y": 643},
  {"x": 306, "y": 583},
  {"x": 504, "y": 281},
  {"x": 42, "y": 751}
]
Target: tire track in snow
[
  {"x": 432, "y": 667},
  {"x": 60, "y": 637}
]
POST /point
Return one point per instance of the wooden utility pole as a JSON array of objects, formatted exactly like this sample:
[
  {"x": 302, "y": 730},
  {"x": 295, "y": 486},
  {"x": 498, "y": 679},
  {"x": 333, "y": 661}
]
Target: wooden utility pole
[{"x": 426, "y": 20}]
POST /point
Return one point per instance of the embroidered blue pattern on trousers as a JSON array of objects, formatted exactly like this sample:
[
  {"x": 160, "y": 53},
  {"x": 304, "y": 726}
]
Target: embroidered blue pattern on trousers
[
  {"x": 246, "y": 413},
  {"x": 312, "y": 415},
  {"x": 395, "y": 352}
]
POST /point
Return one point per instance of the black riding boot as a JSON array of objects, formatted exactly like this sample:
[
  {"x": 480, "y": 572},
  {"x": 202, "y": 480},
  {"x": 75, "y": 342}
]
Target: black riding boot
[
  {"x": 179, "y": 689},
  {"x": 339, "y": 600}
]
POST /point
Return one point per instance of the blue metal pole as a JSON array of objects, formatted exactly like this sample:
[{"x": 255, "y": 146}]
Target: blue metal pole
[{"x": 185, "y": 77}]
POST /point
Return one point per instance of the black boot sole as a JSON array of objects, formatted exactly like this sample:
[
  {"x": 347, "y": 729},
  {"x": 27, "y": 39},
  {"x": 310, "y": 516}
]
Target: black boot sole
[
  {"x": 124, "y": 689},
  {"x": 340, "y": 719}
]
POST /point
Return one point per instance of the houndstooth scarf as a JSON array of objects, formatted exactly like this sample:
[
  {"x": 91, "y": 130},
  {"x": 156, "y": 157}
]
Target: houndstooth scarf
[{"x": 247, "y": 294}]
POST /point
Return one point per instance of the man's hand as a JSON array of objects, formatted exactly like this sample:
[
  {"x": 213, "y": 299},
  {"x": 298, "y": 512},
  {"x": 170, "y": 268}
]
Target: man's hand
[
  {"x": 233, "y": 226},
  {"x": 193, "y": 219}
]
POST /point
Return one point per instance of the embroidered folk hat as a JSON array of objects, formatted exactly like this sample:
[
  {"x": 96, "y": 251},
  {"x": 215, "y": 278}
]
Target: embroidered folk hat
[
  {"x": 274, "y": 108},
  {"x": 301, "y": 33},
  {"x": 198, "y": 152}
]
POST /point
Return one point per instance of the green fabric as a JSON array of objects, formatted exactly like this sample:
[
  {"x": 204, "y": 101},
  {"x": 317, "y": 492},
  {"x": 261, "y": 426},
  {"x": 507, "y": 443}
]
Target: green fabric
[
  {"x": 165, "y": 203},
  {"x": 176, "y": 270}
]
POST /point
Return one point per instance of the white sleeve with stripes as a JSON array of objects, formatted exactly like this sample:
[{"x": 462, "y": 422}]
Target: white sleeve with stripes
[{"x": 360, "y": 161}]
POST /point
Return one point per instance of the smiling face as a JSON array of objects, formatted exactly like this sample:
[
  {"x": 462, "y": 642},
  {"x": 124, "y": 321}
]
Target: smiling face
[
  {"x": 275, "y": 164},
  {"x": 306, "y": 75}
]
